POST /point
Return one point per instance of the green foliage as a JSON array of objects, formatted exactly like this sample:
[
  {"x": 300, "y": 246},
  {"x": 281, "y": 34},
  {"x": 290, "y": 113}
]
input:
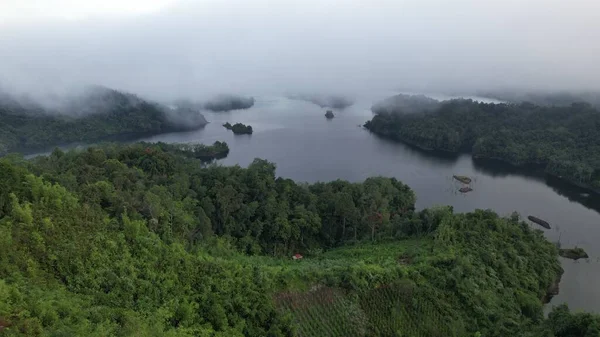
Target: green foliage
[
  {"x": 200, "y": 151},
  {"x": 147, "y": 240},
  {"x": 562, "y": 139},
  {"x": 563, "y": 323},
  {"x": 323, "y": 311},
  {"x": 476, "y": 273}
]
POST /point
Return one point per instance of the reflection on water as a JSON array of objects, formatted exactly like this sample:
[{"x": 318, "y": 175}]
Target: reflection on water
[
  {"x": 428, "y": 157},
  {"x": 496, "y": 168},
  {"x": 575, "y": 194},
  {"x": 572, "y": 192}
]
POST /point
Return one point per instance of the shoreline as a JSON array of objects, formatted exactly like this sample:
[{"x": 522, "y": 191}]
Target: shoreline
[
  {"x": 122, "y": 137},
  {"x": 538, "y": 166},
  {"x": 523, "y": 166},
  {"x": 553, "y": 289}
]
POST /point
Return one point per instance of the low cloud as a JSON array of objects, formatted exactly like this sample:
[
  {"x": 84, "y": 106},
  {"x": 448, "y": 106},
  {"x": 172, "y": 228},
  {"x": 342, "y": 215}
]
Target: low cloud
[{"x": 199, "y": 49}]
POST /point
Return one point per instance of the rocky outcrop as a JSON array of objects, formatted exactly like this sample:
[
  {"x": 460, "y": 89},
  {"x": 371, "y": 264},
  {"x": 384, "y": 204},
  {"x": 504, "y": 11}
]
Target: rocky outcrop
[
  {"x": 573, "y": 253},
  {"x": 539, "y": 221},
  {"x": 553, "y": 289}
]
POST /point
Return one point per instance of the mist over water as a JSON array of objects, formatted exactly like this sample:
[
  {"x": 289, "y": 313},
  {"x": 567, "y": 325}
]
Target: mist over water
[{"x": 197, "y": 49}]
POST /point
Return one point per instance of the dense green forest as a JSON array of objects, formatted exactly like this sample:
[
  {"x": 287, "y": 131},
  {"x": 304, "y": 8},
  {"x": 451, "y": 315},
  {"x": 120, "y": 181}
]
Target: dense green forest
[
  {"x": 98, "y": 114},
  {"x": 563, "y": 140},
  {"x": 206, "y": 153},
  {"x": 147, "y": 240}
]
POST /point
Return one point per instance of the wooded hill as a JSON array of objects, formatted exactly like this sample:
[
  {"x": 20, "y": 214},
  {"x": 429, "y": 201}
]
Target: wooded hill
[
  {"x": 97, "y": 114},
  {"x": 562, "y": 140}
]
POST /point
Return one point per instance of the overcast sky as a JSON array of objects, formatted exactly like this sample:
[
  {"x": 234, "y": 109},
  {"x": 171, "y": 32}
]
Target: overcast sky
[{"x": 171, "y": 48}]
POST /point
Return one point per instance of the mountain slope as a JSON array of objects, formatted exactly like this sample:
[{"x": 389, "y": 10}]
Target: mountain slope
[{"x": 98, "y": 114}]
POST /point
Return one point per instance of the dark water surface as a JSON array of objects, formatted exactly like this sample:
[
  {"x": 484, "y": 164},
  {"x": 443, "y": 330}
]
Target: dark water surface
[{"x": 307, "y": 147}]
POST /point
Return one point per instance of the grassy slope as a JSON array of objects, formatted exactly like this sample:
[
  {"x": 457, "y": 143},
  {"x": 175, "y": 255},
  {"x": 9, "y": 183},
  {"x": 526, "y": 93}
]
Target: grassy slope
[{"x": 420, "y": 287}]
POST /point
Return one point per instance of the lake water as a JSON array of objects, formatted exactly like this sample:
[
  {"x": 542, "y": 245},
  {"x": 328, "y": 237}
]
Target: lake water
[{"x": 307, "y": 147}]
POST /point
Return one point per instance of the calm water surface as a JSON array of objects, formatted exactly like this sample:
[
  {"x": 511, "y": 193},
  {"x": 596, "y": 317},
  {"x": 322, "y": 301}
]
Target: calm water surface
[{"x": 306, "y": 147}]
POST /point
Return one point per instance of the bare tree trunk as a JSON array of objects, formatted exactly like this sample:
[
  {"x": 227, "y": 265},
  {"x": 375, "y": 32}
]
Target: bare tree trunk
[{"x": 372, "y": 232}]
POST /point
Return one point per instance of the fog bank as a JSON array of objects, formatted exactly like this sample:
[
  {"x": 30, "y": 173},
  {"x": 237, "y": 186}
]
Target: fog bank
[{"x": 197, "y": 49}]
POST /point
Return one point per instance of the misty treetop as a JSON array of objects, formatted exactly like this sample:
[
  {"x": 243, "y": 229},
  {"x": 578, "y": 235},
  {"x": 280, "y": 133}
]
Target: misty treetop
[
  {"x": 223, "y": 103},
  {"x": 326, "y": 101},
  {"x": 97, "y": 114},
  {"x": 564, "y": 140},
  {"x": 558, "y": 98},
  {"x": 402, "y": 104}
]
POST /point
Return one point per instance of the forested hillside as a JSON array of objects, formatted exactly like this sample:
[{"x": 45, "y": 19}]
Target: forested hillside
[
  {"x": 564, "y": 140},
  {"x": 98, "y": 114},
  {"x": 146, "y": 240}
]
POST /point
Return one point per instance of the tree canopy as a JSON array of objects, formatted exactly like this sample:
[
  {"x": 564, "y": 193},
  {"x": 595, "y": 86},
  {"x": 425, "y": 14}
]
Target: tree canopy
[{"x": 148, "y": 240}]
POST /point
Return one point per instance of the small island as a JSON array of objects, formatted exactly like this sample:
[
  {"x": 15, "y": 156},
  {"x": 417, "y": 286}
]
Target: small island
[
  {"x": 573, "y": 253},
  {"x": 329, "y": 114},
  {"x": 239, "y": 128}
]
